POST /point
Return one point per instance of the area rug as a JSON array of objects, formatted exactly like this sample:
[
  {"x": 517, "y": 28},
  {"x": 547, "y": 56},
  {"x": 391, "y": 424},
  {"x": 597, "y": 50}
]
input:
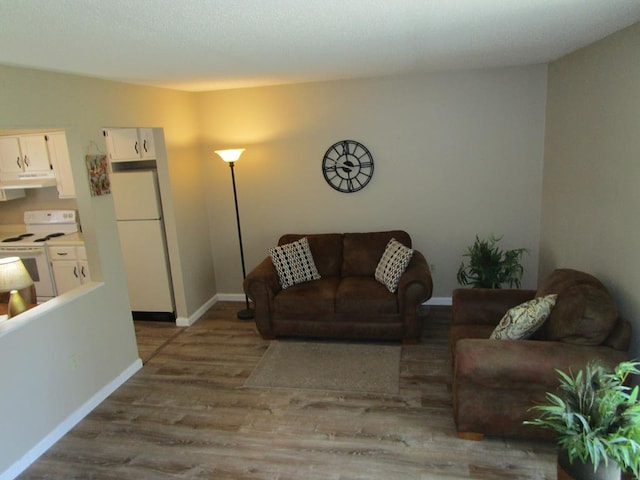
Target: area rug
[{"x": 345, "y": 367}]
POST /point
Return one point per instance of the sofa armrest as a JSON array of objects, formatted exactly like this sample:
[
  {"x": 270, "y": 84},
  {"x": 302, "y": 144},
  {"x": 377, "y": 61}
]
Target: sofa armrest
[
  {"x": 416, "y": 284},
  {"x": 485, "y": 306},
  {"x": 261, "y": 284},
  {"x": 263, "y": 278}
]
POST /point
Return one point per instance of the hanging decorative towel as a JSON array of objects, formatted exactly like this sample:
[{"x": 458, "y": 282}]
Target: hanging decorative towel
[{"x": 98, "y": 175}]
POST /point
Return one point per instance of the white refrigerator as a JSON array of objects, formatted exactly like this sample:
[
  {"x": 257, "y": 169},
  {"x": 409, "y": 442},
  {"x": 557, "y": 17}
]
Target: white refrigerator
[{"x": 136, "y": 198}]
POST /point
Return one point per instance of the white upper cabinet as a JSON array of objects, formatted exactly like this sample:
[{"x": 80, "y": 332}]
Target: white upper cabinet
[
  {"x": 61, "y": 163},
  {"x": 24, "y": 155},
  {"x": 129, "y": 144},
  {"x": 148, "y": 147},
  {"x": 35, "y": 161},
  {"x": 10, "y": 155}
]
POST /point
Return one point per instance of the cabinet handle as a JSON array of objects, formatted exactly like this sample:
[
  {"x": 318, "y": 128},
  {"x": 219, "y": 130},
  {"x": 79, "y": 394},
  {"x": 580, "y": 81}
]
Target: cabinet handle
[
  {"x": 18, "y": 162},
  {"x": 84, "y": 275},
  {"x": 26, "y": 161},
  {"x": 144, "y": 145},
  {"x": 136, "y": 148},
  {"x": 75, "y": 271},
  {"x": 62, "y": 254}
]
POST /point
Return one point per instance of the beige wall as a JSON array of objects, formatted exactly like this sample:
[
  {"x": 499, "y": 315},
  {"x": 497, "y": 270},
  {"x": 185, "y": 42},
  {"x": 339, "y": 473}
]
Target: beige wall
[
  {"x": 591, "y": 195},
  {"x": 55, "y": 363},
  {"x": 11, "y": 212},
  {"x": 456, "y": 154}
]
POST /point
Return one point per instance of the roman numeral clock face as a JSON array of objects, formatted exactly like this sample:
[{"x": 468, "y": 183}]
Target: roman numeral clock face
[{"x": 347, "y": 166}]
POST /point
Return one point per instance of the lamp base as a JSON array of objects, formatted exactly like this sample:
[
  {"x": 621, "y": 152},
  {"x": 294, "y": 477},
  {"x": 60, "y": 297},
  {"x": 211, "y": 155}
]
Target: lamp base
[
  {"x": 16, "y": 304},
  {"x": 245, "y": 314}
]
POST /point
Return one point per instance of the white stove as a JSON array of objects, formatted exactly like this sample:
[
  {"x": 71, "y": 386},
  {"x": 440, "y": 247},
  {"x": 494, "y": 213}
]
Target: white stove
[
  {"x": 42, "y": 225},
  {"x": 30, "y": 245}
]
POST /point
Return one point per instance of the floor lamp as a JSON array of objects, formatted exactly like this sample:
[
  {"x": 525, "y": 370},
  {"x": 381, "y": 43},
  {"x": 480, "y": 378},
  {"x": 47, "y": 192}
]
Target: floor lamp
[{"x": 231, "y": 156}]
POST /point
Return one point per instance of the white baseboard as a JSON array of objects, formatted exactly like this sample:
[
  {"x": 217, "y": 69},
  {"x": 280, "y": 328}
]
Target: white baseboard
[
  {"x": 231, "y": 297},
  {"x": 71, "y": 421},
  {"x": 439, "y": 301},
  {"x": 190, "y": 320},
  {"x": 239, "y": 297}
]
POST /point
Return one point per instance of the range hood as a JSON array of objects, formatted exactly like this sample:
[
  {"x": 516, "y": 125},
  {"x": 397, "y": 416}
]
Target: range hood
[{"x": 28, "y": 181}]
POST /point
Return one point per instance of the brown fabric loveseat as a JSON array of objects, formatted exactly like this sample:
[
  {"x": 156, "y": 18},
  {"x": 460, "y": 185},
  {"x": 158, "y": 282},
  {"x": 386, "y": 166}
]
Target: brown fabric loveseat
[
  {"x": 496, "y": 382},
  {"x": 347, "y": 301}
]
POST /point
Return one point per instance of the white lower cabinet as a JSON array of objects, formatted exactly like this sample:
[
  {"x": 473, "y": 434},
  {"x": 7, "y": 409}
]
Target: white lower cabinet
[{"x": 70, "y": 267}]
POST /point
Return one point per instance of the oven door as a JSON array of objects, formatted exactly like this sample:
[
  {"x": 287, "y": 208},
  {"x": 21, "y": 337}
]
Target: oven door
[{"x": 37, "y": 264}]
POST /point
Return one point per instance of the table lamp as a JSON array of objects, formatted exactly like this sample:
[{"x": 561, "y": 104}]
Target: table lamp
[{"x": 13, "y": 277}]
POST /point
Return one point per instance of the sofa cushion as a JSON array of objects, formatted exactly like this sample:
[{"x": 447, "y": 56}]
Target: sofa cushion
[
  {"x": 326, "y": 250},
  {"x": 585, "y": 312},
  {"x": 294, "y": 263},
  {"x": 364, "y": 294},
  {"x": 522, "y": 321},
  {"x": 392, "y": 265},
  {"x": 362, "y": 251},
  {"x": 316, "y": 298}
]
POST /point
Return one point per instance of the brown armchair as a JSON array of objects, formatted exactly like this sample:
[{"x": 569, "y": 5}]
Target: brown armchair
[{"x": 496, "y": 382}]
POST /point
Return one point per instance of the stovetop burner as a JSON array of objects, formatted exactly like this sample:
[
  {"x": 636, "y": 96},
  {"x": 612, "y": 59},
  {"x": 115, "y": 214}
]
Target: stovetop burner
[
  {"x": 51, "y": 235},
  {"x": 19, "y": 237}
]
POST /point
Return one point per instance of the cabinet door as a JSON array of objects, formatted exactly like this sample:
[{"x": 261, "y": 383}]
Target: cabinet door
[
  {"x": 122, "y": 144},
  {"x": 83, "y": 264},
  {"x": 35, "y": 155},
  {"x": 59, "y": 156},
  {"x": 66, "y": 275},
  {"x": 10, "y": 155},
  {"x": 147, "y": 145},
  {"x": 83, "y": 271}
]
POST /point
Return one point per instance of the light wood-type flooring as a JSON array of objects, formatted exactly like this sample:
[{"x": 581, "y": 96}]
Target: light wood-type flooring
[{"x": 186, "y": 415}]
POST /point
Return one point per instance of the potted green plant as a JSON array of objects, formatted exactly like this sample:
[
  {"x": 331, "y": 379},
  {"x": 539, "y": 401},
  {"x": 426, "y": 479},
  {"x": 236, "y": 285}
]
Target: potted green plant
[
  {"x": 489, "y": 266},
  {"x": 596, "y": 419}
]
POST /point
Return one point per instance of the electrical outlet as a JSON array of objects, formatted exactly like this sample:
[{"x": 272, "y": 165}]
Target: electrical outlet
[{"x": 73, "y": 359}]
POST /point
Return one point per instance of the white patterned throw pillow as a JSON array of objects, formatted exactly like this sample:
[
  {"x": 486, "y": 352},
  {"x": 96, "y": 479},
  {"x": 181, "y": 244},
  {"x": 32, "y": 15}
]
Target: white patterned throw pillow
[
  {"x": 523, "y": 320},
  {"x": 294, "y": 263},
  {"x": 392, "y": 265}
]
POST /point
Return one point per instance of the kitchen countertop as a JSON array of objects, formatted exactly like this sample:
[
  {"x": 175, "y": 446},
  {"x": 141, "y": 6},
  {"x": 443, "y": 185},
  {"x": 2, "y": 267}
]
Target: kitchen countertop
[{"x": 70, "y": 239}]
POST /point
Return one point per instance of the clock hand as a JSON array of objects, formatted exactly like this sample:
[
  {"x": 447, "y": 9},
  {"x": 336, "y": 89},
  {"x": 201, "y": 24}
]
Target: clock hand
[{"x": 349, "y": 164}]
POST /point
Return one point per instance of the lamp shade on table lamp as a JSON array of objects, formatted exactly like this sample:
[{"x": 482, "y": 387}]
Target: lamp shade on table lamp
[{"x": 13, "y": 277}]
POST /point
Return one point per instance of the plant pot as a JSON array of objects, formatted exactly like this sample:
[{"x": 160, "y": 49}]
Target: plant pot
[{"x": 584, "y": 471}]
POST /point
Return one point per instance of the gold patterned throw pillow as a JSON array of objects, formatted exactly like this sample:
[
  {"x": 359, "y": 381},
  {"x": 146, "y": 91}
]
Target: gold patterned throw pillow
[
  {"x": 522, "y": 321},
  {"x": 392, "y": 265}
]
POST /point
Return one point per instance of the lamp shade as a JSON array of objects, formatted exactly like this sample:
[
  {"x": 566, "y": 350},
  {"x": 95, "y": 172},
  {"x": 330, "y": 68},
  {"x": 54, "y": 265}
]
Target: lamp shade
[
  {"x": 230, "y": 155},
  {"x": 13, "y": 274}
]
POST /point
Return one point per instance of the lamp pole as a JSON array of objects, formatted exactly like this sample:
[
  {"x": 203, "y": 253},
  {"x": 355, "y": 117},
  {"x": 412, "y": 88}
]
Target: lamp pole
[
  {"x": 247, "y": 313},
  {"x": 230, "y": 156}
]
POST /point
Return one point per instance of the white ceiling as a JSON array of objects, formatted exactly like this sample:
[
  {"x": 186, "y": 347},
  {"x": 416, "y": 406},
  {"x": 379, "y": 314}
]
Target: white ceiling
[{"x": 216, "y": 44}]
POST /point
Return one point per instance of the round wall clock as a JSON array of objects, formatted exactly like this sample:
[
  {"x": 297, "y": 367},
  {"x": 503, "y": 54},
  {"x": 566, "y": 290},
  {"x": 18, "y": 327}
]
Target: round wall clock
[{"x": 347, "y": 166}]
